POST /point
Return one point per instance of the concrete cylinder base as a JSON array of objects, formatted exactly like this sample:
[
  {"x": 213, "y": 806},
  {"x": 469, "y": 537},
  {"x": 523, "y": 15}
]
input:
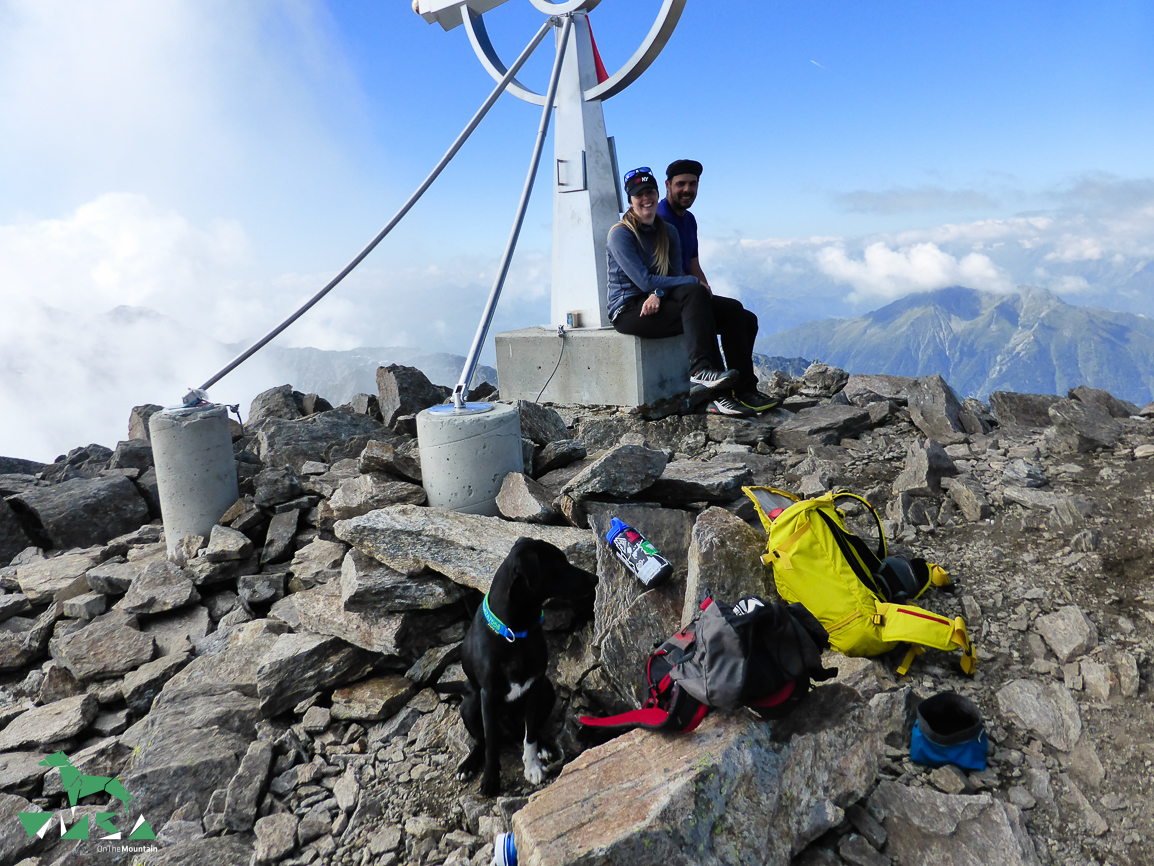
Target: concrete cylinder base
[
  {"x": 195, "y": 469},
  {"x": 466, "y": 455}
]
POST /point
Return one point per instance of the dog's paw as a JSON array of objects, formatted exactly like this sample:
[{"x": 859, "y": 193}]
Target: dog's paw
[
  {"x": 468, "y": 768},
  {"x": 534, "y": 772},
  {"x": 491, "y": 785}
]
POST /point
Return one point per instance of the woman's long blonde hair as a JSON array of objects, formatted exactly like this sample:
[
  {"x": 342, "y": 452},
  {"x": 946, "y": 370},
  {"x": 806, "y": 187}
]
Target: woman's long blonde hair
[{"x": 661, "y": 247}]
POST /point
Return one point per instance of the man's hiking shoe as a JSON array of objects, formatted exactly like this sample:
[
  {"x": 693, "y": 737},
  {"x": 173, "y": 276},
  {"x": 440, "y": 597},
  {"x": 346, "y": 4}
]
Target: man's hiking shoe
[
  {"x": 728, "y": 405},
  {"x": 710, "y": 378},
  {"x": 755, "y": 400}
]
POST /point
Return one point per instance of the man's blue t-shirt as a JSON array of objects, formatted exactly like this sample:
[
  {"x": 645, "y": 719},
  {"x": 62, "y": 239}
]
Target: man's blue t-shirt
[{"x": 686, "y": 227}]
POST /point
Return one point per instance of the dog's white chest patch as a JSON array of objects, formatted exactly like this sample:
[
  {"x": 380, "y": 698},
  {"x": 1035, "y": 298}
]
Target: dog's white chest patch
[{"x": 516, "y": 690}]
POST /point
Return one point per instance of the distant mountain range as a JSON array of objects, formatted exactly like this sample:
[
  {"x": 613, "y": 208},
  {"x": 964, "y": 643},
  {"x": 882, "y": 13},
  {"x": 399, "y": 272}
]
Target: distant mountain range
[{"x": 980, "y": 342}]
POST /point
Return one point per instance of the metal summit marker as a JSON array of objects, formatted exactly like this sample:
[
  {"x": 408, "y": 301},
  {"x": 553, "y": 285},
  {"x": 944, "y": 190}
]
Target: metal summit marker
[{"x": 587, "y": 202}]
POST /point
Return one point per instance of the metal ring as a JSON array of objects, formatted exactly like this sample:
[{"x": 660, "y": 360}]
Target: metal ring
[{"x": 655, "y": 41}]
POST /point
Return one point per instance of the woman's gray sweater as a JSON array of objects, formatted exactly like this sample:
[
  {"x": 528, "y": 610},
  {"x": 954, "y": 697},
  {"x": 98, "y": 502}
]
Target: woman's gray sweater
[{"x": 631, "y": 264}]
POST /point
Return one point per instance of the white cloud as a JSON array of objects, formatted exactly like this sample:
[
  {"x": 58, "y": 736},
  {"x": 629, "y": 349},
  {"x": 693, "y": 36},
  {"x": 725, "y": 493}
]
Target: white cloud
[{"x": 889, "y": 273}]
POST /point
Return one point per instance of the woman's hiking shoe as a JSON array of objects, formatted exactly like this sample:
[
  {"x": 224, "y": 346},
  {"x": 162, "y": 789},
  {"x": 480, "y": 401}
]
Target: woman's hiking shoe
[
  {"x": 710, "y": 378},
  {"x": 728, "y": 405},
  {"x": 755, "y": 400}
]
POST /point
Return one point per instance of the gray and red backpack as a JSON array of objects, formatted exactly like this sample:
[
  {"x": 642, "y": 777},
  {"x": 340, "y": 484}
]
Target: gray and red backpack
[{"x": 762, "y": 656}]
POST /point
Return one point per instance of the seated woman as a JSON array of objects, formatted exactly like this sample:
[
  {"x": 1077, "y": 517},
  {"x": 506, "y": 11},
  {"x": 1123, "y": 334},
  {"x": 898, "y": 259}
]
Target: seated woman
[{"x": 649, "y": 295}]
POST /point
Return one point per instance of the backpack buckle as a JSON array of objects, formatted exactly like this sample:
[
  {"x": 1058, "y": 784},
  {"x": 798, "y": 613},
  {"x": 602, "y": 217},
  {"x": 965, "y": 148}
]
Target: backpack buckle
[{"x": 879, "y": 620}]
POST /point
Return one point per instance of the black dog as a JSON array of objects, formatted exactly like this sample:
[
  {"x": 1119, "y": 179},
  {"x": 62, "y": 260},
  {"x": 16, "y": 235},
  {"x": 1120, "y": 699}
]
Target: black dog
[{"x": 504, "y": 656}]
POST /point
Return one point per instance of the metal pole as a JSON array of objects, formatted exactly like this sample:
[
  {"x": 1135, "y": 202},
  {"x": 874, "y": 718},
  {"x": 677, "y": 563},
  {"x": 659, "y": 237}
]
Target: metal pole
[
  {"x": 490, "y": 308},
  {"x": 456, "y": 146}
]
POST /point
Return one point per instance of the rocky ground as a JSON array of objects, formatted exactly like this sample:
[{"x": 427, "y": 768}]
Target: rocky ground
[{"x": 286, "y": 689}]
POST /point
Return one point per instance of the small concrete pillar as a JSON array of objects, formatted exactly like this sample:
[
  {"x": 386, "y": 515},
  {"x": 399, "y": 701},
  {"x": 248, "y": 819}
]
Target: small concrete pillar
[
  {"x": 466, "y": 455},
  {"x": 195, "y": 469}
]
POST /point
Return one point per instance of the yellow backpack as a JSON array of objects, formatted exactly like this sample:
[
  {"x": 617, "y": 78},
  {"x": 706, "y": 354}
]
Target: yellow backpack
[{"x": 857, "y": 594}]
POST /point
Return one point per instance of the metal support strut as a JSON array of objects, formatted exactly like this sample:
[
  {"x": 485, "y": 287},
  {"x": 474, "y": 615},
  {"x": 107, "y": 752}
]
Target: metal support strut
[
  {"x": 456, "y": 146},
  {"x": 461, "y": 391}
]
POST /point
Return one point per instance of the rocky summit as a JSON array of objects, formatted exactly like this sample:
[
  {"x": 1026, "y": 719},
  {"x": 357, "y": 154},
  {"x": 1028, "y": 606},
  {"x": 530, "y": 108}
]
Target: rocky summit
[{"x": 285, "y": 690}]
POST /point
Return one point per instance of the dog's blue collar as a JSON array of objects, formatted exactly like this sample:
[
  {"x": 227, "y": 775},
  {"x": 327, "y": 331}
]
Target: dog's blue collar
[{"x": 500, "y": 627}]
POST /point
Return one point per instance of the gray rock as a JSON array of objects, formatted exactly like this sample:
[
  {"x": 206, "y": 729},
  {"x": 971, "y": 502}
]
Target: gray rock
[
  {"x": 697, "y": 481},
  {"x": 23, "y": 639},
  {"x": 273, "y": 486},
  {"x": 524, "y": 500},
  {"x": 138, "y": 421},
  {"x": 15, "y": 843},
  {"x": 58, "y": 684},
  {"x": 558, "y": 454},
  {"x": 108, "y": 646},
  {"x": 320, "y": 611},
  {"x": 177, "y": 632},
  {"x": 724, "y": 562},
  {"x": 826, "y": 424},
  {"x": 162, "y": 586},
  {"x": 346, "y": 791},
  {"x": 622, "y": 471},
  {"x": 861, "y": 390},
  {"x": 325, "y": 437},
  {"x": 1080, "y": 427},
  {"x": 628, "y": 620},
  {"x": 1104, "y": 400},
  {"x": 114, "y": 578},
  {"x": 367, "y": 493},
  {"x": 466, "y": 548},
  {"x": 13, "y": 539},
  {"x": 970, "y": 497},
  {"x": 84, "y": 606},
  {"x": 392, "y": 458},
  {"x": 677, "y": 793},
  {"x": 373, "y": 699},
  {"x": 926, "y": 464},
  {"x": 260, "y": 588},
  {"x": 1022, "y": 410},
  {"x": 83, "y": 512},
  {"x": 822, "y": 380},
  {"x": 740, "y": 431},
  {"x": 276, "y": 836},
  {"x": 367, "y": 585},
  {"x": 1068, "y": 632},
  {"x": 936, "y": 410},
  {"x": 18, "y": 769},
  {"x": 41, "y": 579},
  {"x": 1096, "y": 679},
  {"x": 278, "y": 402},
  {"x": 1023, "y": 473},
  {"x": 1046, "y": 709},
  {"x": 317, "y": 562},
  {"x": 1127, "y": 667},
  {"x": 926, "y": 826},
  {"x": 433, "y": 663},
  {"x": 143, "y": 685},
  {"x": 854, "y": 849},
  {"x": 406, "y": 391},
  {"x": 298, "y": 665},
  {"x": 247, "y": 786},
  {"x": 14, "y": 604},
  {"x": 541, "y": 424},
  {"x": 132, "y": 454},
  {"x": 50, "y": 723},
  {"x": 278, "y": 543},
  {"x": 1041, "y": 500},
  {"x": 225, "y": 544}
]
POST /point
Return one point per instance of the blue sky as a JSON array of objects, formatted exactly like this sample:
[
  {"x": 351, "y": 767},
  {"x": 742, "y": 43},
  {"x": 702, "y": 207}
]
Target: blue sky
[{"x": 218, "y": 162}]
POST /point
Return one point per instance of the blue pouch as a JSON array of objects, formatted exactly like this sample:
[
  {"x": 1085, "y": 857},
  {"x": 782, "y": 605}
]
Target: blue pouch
[{"x": 949, "y": 730}]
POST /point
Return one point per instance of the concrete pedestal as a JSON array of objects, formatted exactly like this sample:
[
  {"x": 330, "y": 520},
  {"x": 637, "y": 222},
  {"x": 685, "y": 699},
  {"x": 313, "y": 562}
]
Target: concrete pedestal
[
  {"x": 466, "y": 456},
  {"x": 598, "y": 367}
]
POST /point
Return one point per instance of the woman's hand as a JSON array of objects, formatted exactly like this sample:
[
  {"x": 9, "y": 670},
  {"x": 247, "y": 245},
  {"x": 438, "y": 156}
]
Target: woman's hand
[{"x": 652, "y": 305}]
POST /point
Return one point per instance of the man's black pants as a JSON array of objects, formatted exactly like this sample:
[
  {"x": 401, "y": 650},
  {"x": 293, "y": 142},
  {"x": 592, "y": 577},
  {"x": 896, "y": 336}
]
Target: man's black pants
[{"x": 702, "y": 317}]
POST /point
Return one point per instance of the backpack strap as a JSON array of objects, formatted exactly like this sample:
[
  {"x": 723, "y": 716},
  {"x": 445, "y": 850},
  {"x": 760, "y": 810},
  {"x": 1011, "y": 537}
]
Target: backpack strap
[
  {"x": 684, "y": 714},
  {"x": 882, "y": 552},
  {"x": 903, "y": 623}
]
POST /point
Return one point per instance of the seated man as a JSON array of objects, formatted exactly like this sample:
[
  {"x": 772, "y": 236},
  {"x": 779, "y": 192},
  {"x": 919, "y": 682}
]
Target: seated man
[
  {"x": 681, "y": 181},
  {"x": 650, "y": 295}
]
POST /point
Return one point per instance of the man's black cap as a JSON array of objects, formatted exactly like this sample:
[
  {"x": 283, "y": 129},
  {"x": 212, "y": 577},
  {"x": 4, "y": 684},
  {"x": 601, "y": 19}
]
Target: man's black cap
[{"x": 683, "y": 166}]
